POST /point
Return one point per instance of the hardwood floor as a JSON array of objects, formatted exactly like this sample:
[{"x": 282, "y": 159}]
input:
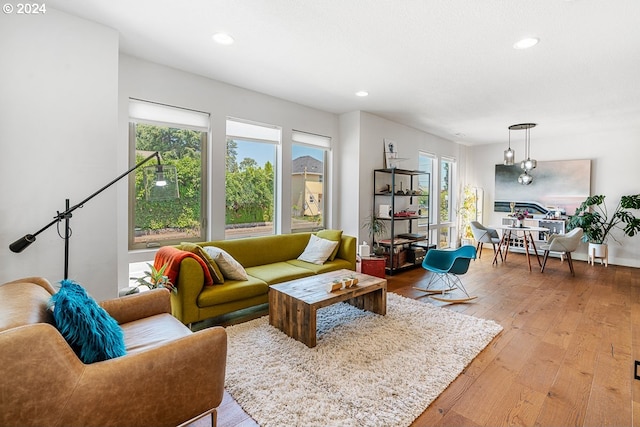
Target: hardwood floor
[{"x": 565, "y": 357}]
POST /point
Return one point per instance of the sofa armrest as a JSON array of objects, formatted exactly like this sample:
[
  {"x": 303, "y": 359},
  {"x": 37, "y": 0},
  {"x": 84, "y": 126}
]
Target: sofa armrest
[
  {"x": 39, "y": 372},
  {"x": 184, "y": 303},
  {"x": 40, "y": 281},
  {"x": 138, "y": 306},
  {"x": 165, "y": 385},
  {"x": 347, "y": 250}
]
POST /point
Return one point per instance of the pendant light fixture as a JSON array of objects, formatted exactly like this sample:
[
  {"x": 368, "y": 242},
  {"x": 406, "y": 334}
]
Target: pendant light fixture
[
  {"x": 509, "y": 153},
  {"x": 528, "y": 164}
]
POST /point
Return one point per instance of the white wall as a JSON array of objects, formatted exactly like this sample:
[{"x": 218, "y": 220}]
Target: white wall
[
  {"x": 58, "y": 121},
  {"x": 614, "y": 173},
  {"x": 369, "y": 137}
]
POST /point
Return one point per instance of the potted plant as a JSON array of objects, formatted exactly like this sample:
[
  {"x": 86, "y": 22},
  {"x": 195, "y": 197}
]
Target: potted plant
[
  {"x": 375, "y": 227},
  {"x": 592, "y": 216},
  {"x": 152, "y": 279}
]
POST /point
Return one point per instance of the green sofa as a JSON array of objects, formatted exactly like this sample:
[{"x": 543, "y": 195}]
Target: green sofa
[{"x": 267, "y": 260}]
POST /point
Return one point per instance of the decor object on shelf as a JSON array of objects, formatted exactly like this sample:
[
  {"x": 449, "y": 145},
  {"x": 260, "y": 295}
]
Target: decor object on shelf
[
  {"x": 153, "y": 278},
  {"x": 446, "y": 265},
  {"x": 592, "y": 216},
  {"x": 563, "y": 243},
  {"x": 391, "y": 159},
  {"x": 160, "y": 181}
]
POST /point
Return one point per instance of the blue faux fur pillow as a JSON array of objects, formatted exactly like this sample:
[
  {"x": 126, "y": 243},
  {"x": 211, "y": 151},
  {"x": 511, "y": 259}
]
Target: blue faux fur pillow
[{"x": 92, "y": 333}]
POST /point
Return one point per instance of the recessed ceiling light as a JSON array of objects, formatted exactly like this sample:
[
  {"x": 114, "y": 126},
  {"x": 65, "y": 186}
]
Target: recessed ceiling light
[
  {"x": 526, "y": 43},
  {"x": 362, "y": 93},
  {"x": 223, "y": 38}
]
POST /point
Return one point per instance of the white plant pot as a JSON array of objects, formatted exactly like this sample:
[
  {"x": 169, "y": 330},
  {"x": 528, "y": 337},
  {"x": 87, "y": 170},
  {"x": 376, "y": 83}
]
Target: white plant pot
[{"x": 598, "y": 250}]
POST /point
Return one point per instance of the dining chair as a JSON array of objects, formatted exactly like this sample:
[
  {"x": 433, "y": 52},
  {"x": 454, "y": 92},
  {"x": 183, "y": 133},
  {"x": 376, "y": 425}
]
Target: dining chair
[
  {"x": 563, "y": 243},
  {"x": 484, "y": 235}
]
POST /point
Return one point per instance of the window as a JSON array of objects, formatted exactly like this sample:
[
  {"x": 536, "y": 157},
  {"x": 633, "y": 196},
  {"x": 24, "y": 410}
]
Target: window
[
  {"x": 446, "y": 202},
  {"x": 308, "y": 154},
  {"x": 180, "y": 136},
  {"x": 425, "y": 164},
  {"x": 250, "y": 179}
]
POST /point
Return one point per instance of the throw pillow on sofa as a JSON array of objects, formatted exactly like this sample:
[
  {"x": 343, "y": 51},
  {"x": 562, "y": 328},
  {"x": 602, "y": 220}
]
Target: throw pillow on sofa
[
  {"x": 333, "y": 235},
  {"x": 230, "y": 268},
  {"x": 216, "y": 274},
  {"x": 92, "y": 333},
  {"x": 318, "y": 250}
]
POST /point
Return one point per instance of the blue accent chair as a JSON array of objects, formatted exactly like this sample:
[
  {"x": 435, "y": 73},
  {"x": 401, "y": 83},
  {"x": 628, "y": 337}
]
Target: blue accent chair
[{"x": 447, "y": 265}]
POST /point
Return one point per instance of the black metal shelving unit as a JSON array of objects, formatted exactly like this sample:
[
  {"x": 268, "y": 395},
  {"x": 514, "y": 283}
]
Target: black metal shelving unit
[{"x": 408, "y": 203}]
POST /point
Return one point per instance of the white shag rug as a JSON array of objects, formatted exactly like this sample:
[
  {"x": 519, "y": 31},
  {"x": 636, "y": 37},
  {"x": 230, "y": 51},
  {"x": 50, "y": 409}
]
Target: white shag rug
[{"x": 366, "y": 370}]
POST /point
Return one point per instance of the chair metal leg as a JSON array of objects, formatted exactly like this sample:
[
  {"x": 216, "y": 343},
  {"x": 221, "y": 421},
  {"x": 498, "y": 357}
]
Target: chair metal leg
[
  {"x": 453, "y": 282},
  {"x": 435, "y": 277}
]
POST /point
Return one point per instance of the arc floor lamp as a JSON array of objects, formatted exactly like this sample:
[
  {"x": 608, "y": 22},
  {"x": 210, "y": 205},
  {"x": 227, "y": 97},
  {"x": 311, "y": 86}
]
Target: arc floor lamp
[{"x": 159, "y": 172}]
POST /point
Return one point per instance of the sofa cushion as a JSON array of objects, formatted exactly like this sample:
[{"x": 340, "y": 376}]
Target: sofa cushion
[
  {"x": 147, "y": 332},
  {"x": 92, "y": 333},
  {"x": 333, "y": 235},
  {"x": 336, "y": 264},
  {"x": 318, "y": 250},
  {"x": 232, "y": 290},
  {"x": 231, "y": 269},
  {"x": 279, "y": 272}
]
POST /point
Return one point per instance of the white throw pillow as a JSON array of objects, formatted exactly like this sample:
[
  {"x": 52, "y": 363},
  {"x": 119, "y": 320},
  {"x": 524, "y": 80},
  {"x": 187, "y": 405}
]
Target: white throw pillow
[
  {"x": 230, "y": 268},
  {"x": 317, "y": 250}
]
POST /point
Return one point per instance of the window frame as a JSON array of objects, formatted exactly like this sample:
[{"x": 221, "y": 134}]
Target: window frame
[
  {"x": 323, "y": 144},
  {"x": 251, "y": 137},
  {"x": 161, "y": 115}
]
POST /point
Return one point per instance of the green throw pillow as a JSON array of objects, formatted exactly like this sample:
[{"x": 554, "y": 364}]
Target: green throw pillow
[
  {"x": 333, "y": 235},
  {"x": 216, "y": 274}
]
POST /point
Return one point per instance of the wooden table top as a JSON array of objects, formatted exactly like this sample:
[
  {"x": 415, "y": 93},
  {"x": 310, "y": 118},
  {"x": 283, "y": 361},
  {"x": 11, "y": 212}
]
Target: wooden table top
[{"x": 311, "y": 290}]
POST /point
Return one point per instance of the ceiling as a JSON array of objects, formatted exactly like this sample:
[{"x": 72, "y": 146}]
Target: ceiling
[{"x": 447, "y": 67}]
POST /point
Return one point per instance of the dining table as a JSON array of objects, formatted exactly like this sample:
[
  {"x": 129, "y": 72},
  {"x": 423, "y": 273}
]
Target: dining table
[{"x": 508, "y": 231}]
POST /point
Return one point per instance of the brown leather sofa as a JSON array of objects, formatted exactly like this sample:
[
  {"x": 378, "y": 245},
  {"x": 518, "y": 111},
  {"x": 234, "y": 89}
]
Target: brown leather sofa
[{"x": 169, "y": 376}]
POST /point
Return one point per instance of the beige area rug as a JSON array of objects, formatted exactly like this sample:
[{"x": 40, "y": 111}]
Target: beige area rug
[{"x": 366, "y": 370}]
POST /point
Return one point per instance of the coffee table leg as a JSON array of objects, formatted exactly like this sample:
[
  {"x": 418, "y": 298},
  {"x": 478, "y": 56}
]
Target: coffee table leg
[
  {"x": 375, "y": 302},
  {"x": 293, "y": 317}
]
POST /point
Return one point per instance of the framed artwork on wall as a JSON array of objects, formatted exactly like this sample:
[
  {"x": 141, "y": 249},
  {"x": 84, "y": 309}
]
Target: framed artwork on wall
[{"x": 560, "y": 184}]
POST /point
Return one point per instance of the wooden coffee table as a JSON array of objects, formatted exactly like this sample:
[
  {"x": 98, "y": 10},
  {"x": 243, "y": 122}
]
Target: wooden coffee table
[{"x": 293, "y": 305}]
